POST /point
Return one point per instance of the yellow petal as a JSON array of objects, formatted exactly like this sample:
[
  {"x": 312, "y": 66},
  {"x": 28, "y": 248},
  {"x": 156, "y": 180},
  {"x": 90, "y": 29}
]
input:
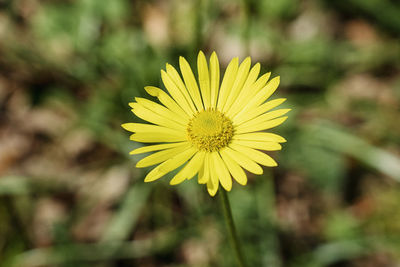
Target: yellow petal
[
  {"x": 247, "y": 94},
  {"x": 162, "y": 111},
  {"x": 213, "y": 183},
  {"x": 176, "y": 78},
  {"x": 240, "y": 79},
  {"x": 263, "y": 94},
  {"x": 255, "y": 155},
  {"x": 266, "y": 117},
  {"x": 190, "y": 83},
  {"x": 267, "y": 146},
  {"x": 221, "y": 171},
  {"x": 204, "y": 79},
  {"x": 250, "y": 114},
  {"x": 176, "y": 94},
  {"x": 261, "y": 126},
  {"x": 166, "y": 100},
  {"x": 227, "y": 82},
  {"x": 150, "y": 116},
  {"x": 169, "y": 165},
  {"x": 201, "y": 172},
  {"x": 145, "y": 149},
  {"x": 214, "y": 83},
  {"x": 263, "y": 118},
  {"x": 236, "y": 171},
  {"x": 212, "y": 188},
  {"x": 190, "y": 169},
  {"x": 260, "y": 136},
  {"x": 150, "y": 128},
  {"x": 161, "y": 156},
  {"x": 205, "y": 175},
  {"x": 251, "y": 79},
  {"x": 243, "y": 160},
  {"x": 157, "y": 137},
  {"x": 196, "y": 165}
]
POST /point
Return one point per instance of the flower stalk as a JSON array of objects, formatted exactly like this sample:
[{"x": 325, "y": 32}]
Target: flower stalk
[{"x": 233, "y": 237}]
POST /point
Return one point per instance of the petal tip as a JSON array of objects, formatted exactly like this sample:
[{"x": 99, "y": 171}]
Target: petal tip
[
  {"x": 151, "y": 90},
  {"x": 212, "y": 193},
  {"x": 172, "y": 182},
  {"x": 125, "y": 125},
  {"x": 229, "y": 188},
  {"x": 139, "y": 164},
  {"x": 248, "y": 58}
]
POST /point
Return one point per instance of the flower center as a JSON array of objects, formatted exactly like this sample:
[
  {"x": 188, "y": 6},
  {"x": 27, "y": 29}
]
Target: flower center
[{"x": 210, "y": 130}]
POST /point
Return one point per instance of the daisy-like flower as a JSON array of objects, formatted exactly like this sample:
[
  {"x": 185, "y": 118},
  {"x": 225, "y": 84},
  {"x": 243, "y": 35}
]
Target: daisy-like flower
[{"x": 210, "y": 129}]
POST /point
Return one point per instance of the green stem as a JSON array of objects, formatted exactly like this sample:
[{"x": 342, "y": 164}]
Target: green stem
[
  {"x": 231, "y": 227},
  {"x": 246, "y": 26},
  {"x": 198, "y": 24}
]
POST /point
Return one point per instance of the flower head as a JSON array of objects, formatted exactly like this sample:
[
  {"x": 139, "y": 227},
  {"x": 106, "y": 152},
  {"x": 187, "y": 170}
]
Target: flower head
[{"x": 210, "y": 129}]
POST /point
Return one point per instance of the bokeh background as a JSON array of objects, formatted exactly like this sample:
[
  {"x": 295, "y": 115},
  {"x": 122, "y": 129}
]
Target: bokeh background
[{"x": 71, "y": 196}]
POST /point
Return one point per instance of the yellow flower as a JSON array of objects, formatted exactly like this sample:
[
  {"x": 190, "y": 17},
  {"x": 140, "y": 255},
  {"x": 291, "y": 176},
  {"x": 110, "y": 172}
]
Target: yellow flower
[{"x": 214, "y": 130}]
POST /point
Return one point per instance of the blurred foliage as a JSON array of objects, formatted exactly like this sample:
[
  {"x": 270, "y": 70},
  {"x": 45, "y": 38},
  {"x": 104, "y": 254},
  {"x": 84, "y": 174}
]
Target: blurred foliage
[{"x": 69, "y": 192}]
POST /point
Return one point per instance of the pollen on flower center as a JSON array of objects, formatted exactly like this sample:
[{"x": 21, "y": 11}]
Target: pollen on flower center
[{"x": 210, "y": 130}]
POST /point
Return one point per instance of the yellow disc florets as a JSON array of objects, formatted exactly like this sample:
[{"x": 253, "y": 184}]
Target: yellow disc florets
[{"x": 210, "y": 130}]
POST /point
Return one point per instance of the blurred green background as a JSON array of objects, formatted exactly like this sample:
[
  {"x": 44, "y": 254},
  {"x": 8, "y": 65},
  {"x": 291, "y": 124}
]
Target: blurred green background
[{"x": 71, "y": 196}]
